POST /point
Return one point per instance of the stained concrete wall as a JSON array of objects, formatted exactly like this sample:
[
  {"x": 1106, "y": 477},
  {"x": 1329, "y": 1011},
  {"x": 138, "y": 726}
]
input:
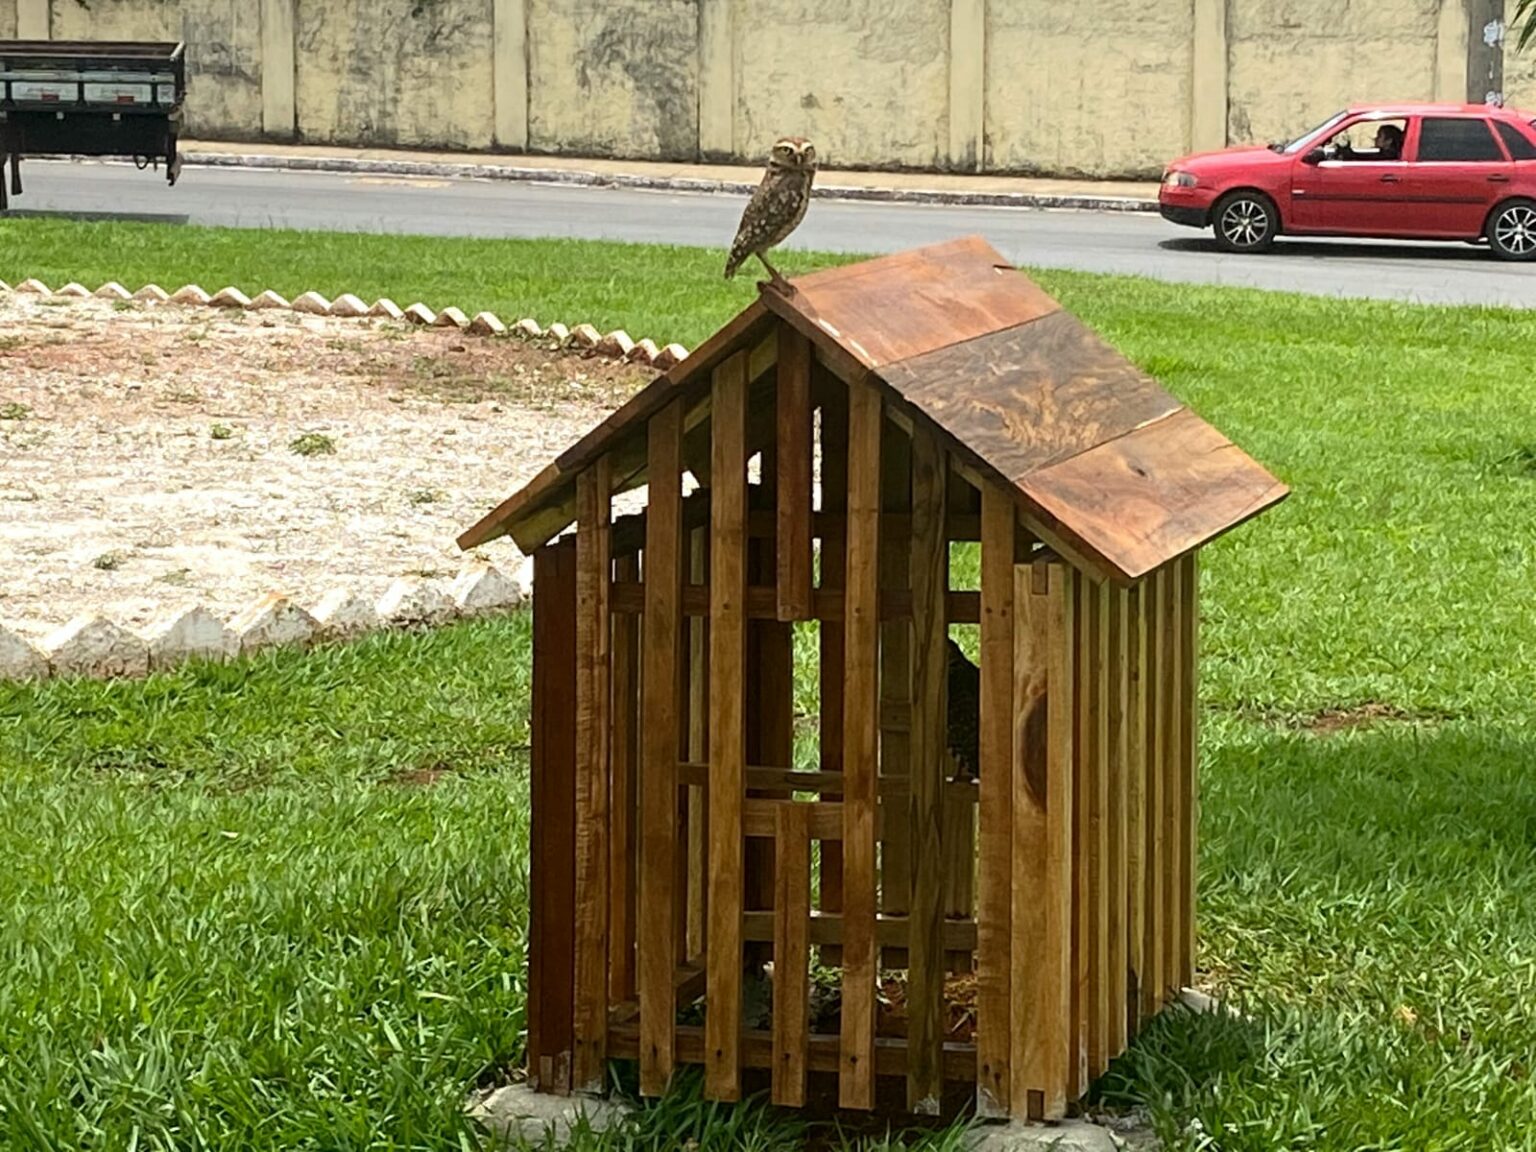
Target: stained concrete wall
[
  {"x": 223, "y": 39},
  {"x": 614, "y": 77},
  {"x": 1097, "y": 90},
  {"x": 1035, "y": 86}
]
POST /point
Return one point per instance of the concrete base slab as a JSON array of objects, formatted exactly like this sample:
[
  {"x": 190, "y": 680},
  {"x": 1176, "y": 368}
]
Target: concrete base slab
[
  {"x": 516, "y": 1112},
  {"x": 1065, "y": 1136}
]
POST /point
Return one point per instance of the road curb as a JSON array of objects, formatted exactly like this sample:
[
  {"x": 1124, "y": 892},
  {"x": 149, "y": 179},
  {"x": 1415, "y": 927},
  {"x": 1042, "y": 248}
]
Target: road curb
[{"x": 469, "y": 170}]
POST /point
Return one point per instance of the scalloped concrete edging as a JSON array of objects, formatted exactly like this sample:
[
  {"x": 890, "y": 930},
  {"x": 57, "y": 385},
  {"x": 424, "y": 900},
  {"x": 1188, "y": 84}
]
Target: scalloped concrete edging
[
  {"x": 615, "y": 345},
  {"x": 92, "y": 645}
]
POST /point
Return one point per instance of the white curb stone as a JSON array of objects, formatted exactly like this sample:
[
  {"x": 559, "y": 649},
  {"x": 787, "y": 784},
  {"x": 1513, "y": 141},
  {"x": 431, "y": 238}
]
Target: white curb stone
[
  {"x": 451, "y": 317},
  {"x": 91, "y": 645},
  {"x": 387, "y": 308},
  {"x": 34, "y": 288},
  {"x": 343, "y": 613},
  {"x": 313, "y": 304},
  {"x": 1065, "y": 1136},
  {"x": 616, "y": 344},
  {"x": 527, "y": 329},
  {"x": 585, "y": 336},
  {"x": 273, "y": 621},
  {"x": 644, "y": 351},
  {"x": 112, "y": 290},
  {"x": 19, "y": 660},
  {"x": 4, "y": 287},
  {"x": 190, "y": 294},
  {"x": 487, "y": 324},
  {"x": 229, "y": 298},
  {"x": 479, "y": 590},
  {"x": 152, "y": 293},
  {"x": 516, "y": 1112},
  {"x": 271, "y": 301},
  {"x": 74, "y": 291},
  {"x": 348, "y": 306},
  {"x": 558, "y": 334},
  {"x": 419, "y": 313},
  {"x": 415, "y": 602},
  {"x": 523, "y": 577},
  {"x": 671, "y": 356},
  {"x": 194, "y": 635}
]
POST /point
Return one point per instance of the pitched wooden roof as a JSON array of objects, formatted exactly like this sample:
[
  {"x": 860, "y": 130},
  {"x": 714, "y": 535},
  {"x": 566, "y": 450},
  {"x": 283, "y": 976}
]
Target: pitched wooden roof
[{"x": 1106, "y": 465}]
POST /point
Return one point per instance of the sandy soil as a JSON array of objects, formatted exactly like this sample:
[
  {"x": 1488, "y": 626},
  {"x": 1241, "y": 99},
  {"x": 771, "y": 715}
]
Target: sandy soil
[{"x": 147, "y": 458}]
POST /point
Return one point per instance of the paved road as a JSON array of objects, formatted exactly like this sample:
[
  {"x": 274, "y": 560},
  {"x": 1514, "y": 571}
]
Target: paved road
[{"x": 1100, "y": 242}]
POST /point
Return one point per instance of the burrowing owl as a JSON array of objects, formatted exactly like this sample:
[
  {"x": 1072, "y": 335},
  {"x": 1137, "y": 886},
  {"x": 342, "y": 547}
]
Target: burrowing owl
[{"x": 778, "y": 205}]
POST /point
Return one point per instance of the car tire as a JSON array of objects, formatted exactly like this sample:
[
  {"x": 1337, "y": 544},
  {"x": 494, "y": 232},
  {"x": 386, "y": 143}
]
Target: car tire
[
  {"x": 1245, "y": 222},
  {"x": 1511, "y": 230}
]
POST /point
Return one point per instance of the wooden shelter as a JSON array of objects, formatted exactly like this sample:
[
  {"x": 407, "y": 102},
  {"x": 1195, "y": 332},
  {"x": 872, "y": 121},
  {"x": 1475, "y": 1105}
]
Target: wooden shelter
[{"x": 817, "y": 460}]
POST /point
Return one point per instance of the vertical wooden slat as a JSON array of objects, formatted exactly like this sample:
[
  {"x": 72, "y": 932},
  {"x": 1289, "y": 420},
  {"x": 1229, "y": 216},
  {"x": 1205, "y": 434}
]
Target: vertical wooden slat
[
  {"x": 791, "y": 954},
  {"x": 856, "y": 1078},
  {"x": 624, "y": 758},
  {"x": 1098, "y": 852},
  {"x": 594, "y": 562},
  {"x": 895, "y": 664},
  {"x": 1189, "y": 758},
  {"x": 696, "y": 862},
  {"x": 794, "y": 495},
  {"x": 1082, "y": 836},
  {"x": 1119, "y": 771},
  {"x": 926, "y": 765},
  {"x": 834, "y": 559},
  {"x": 1154, "y": 985},
  {"x": 727, "y": 728},
  {"x": 1136, "y": 802},
  {"x": 552, "y": 835},
  {"x": 1043, "y": 1047},
  {"x": 995, "y": 878},
  {"x": 658, "y": 826},
  {"x": 1173, "y": 710}
]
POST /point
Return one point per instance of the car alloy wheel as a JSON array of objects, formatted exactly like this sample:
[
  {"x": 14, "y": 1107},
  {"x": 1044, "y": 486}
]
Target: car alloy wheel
[
  {"x": 1245, "y": 223},
  {"x": 1512, "y": 231}
]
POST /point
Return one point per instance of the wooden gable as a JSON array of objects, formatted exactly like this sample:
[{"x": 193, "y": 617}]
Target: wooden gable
[{"x": 1104, "y": 464}]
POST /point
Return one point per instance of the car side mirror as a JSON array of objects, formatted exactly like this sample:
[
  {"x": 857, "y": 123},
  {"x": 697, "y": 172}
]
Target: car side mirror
[{"x": 1316, "y": 156}]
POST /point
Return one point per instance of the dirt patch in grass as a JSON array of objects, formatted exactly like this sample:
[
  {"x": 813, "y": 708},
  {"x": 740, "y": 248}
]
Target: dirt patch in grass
[
  {"x": 1367, "y": 715},
  {"x": 164, "y": 437}
]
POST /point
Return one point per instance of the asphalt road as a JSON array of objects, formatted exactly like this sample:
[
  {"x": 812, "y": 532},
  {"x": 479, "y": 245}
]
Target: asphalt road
[{"x": 1134, "y": 243}]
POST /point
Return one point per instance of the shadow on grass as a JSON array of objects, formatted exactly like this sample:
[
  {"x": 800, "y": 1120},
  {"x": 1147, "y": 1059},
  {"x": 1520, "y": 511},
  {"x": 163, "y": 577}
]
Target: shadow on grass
[{"x": 1350, "y": 250}]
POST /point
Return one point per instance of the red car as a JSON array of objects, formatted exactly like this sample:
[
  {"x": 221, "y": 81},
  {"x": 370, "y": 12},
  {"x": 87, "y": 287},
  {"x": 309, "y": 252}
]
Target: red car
[{"x": 1395, "y": 171}]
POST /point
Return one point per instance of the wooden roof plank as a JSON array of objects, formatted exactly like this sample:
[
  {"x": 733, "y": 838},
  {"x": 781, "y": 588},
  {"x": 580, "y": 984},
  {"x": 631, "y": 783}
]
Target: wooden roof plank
[{"x": 1154, "y": 494}]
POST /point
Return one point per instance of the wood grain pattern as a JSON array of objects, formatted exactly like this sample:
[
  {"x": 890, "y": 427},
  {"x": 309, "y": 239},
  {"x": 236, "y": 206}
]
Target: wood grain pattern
[
  {"x": 1174, "y": 715},
  {"x": 928, "y": 558},
  {"x": 552, "y": 835},
  {"x": 762, "y": 603},
  {"x": 1098, "y": 827},
  {"x": 832, "y": 397},
  {"x": 891, "y": 932},
  {"x": 727, "y": 730},
  {"x": 694, "y": 864},
  {"x": 856, "y": 1078},
  {"x": 1082, "y": 832},
  {"x": 1118, "y": 966},
  {"x": 896, "y": 642},
  {"x": 791, "y": 956},
  {"x": 1044, "y": 801},
  {"x": 995, "y": 868},
  {"x": 1154, "y": 986},
  {"x": 795, "y": 466},
  {"x": 658, "y": 826},
  {"x": 1154, "y": 494},
  {"x": 757, "y": 1051},
  {"x": 1189, "y": 758},
  {"x": 1053, "y": 389},
  {"x": 1136, "y": 803},
  {"x": 896, "y": 307},
  {"x": 593, "y": 579}
]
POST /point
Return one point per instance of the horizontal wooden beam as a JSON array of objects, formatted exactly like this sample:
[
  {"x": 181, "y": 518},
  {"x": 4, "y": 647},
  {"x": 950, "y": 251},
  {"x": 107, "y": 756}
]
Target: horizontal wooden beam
[
  {"x": 890, "y": 931},
  {"x": 785, "y": 779},
  {"x": 628, "y": 598},
  {"x": 757, "y": 1051}
]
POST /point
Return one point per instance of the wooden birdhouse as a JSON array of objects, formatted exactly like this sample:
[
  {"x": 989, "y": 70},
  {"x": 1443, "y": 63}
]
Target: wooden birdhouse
[{"x": 958, "y": 877}]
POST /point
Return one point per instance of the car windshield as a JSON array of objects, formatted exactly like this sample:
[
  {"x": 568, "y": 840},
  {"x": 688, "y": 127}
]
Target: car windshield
[{"x": 1295, "y": 145}]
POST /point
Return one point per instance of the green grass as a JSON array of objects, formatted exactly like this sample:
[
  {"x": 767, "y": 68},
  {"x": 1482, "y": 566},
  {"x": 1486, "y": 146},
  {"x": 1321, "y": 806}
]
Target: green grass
[{"x": 338, "y": 971}]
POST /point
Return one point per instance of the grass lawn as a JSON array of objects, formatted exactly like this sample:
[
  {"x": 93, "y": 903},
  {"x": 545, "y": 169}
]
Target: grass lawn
[{"x": 279, "y": 905}]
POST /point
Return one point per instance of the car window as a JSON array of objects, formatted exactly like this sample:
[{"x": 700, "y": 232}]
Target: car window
[
  {"x": 1519, "y": 145},
  {"x": 1461, "y": 138}
]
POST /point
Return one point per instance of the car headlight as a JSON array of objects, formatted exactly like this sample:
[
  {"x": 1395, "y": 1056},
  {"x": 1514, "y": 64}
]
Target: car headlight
[{"x": 1180, "y": 180}]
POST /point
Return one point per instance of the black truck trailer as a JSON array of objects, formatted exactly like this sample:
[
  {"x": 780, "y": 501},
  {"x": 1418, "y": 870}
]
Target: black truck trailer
[{"x": 90, "y": 98}]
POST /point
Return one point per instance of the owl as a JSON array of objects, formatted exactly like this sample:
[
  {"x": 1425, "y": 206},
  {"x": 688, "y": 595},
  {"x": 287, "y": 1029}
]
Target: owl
[
  {"x": 778, "y": 205},
  {"x": 963, "y": 729}
]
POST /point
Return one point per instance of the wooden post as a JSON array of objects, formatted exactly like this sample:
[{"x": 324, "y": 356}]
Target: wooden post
[
  {"x": 658, "y": 828},
  {"x": 856, "y": 1065},
  {"x": 926, "y": 765},
  {"x": 1174, "y": 715},
  {"x": 994, "y": 912},
  {"x": 795, "y": 474},
  {"x": 1098, "y": 826},
  {"x": 694, "y": 867},
  {"x": 625, "y": 760},
  {"x": 1136, "y": 803},
  {"x": 1082, "y": 832},
  {"x": 552, "y": 836},
  {"x": 895, "y": 664},
  {"x": 1153, "y": 984},
  {"x": 727, "y": 728},
  {"x": 791, "y": 954},
  {"x": 1189, "y": 757},
  {"x": 1044, "y": 1048},
  {"x": 594, "y": 567},
  {"x": 1116, "y": 978},
  {"x": 833, "y": 395}
]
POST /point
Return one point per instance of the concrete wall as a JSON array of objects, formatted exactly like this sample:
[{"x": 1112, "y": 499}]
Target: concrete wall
[{"x": 1038, "y": 86}]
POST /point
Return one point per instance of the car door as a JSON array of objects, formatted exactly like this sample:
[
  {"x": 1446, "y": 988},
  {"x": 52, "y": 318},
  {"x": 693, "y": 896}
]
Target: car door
[
  {"x": 1456, "y": 171},
  {"x": 1355, "y": 196}
]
